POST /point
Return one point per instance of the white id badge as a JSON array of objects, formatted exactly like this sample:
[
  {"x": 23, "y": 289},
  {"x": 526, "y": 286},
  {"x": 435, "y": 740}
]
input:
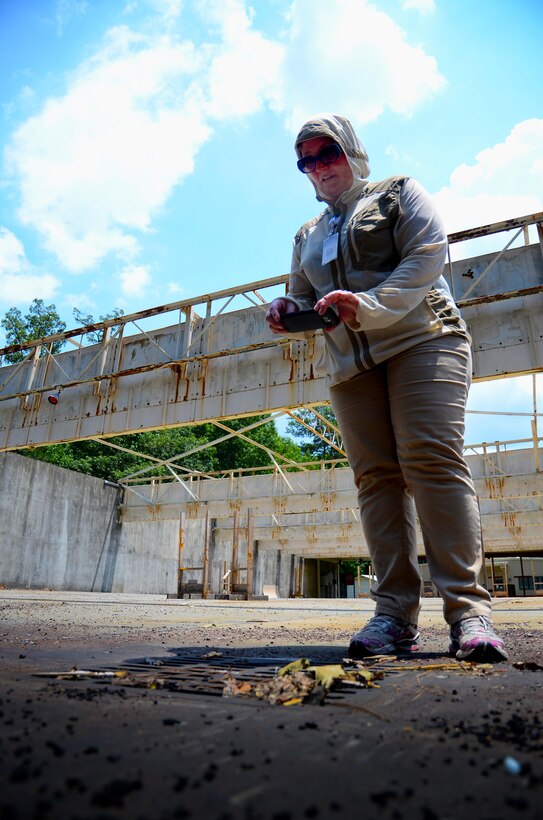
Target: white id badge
[{"x": 330, "y": 248}]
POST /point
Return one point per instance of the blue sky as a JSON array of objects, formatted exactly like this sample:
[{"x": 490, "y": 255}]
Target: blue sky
[{"x": 147, "y": 144}]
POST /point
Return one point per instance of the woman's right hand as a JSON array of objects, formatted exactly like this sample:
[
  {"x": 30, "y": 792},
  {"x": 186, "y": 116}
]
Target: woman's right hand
[
  {"x": 276, "y": 311},
  {"x": 345, "y": 302}
]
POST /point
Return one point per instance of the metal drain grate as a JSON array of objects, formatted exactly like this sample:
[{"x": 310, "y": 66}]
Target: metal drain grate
[
  {"x": 193, "y": 674},
  {"x": 201, "y": 676}
]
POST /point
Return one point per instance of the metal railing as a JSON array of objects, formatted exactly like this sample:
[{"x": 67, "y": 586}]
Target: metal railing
[{"x": 195, "y": 318}]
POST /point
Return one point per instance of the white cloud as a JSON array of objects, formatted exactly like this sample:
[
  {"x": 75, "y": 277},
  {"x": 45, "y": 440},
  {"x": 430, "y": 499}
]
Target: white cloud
[
  {"x": 20, "y": 282},
  {"x": 505, "y": 181},
  {"x": 243, "y": 71},
  {"x": 175, "y": 288},
  {"x": 508, "y": 394},
  {"x": 169, "y": 9},
  {"x": 97, "y": 164},
  {"x": 301, "y": 73},
  {"x": 328, "y": 40},
  {"x": 422, "y": 6},
  {"x": 82, "y": 301},
  {"x": 65, "y": 10},
  {"x": 12, "y": 254},
  {"x": 514, "y": 396},
  {"x": 401, "y": 157},
  {"x": 134, "y": 280},
  {"x": 18, "y": 104}
]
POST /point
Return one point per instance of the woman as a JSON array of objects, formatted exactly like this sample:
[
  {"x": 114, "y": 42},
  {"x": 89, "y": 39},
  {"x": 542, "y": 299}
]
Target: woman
[{"x": 398, "y": 368}]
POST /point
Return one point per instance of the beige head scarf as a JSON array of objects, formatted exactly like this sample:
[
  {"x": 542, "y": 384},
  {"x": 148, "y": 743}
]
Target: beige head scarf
[{"x": 341, "y": 131}]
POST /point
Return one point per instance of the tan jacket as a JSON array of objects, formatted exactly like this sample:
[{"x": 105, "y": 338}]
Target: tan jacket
[{"x": 391, "y": 252}]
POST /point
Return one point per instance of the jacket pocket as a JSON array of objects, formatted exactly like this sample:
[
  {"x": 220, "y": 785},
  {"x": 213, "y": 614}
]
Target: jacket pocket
[{"x": 370, "y": 235}]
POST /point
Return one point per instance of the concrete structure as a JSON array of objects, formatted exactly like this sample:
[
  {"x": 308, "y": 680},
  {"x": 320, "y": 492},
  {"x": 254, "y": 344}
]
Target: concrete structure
[
  {"x": 227, "y": 365},
  {"x": 232, "y": 534},
  {"x": 314, "y": 513},
  {"x": 512, "y": 577},
  {"x": 58, "y": 529},
  {"x": 63, "y": 530}
]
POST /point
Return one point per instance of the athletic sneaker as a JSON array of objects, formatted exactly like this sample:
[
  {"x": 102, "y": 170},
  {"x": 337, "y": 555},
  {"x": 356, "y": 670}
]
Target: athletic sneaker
[
  {"x": 474, "y": 639},
  {"x": 384, "y": 635}
]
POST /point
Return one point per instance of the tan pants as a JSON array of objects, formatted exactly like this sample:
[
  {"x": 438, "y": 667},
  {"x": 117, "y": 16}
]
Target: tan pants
[{"x": 402, "y": 425}]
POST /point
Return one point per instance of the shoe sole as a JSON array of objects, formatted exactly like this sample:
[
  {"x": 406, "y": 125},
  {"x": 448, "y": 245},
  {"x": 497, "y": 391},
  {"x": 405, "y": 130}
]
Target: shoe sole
[
  {"x": 358, "y": 650},
  {"x": 484, "y": 653}
]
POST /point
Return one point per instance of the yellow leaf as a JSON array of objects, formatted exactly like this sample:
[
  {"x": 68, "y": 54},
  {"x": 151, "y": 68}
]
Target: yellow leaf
[
  {"x": 365, "y": 674},
  {"x": 326, "y": 676},
  {"x": 295, "y": 666}
]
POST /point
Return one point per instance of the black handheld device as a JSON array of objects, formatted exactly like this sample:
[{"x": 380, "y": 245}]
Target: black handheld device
[{"x": 309, "y": 320}]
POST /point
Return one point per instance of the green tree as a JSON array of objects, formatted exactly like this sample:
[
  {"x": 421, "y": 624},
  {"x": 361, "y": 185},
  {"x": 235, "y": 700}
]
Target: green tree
[
  {"x": 98, "y": 459},
  {"x": 312, "y": 445},
  {"x": 351, "y": 565},
  {"x": 83, "y": 320},
  {"x": 41, "y": 320},
  {"x": 236, "y": 452}
]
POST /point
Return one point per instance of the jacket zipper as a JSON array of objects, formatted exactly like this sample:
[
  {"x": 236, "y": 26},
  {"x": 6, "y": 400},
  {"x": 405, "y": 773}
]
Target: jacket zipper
[
  {"x": 352, "y": 245},
  {"x": 359, "y": 340}
]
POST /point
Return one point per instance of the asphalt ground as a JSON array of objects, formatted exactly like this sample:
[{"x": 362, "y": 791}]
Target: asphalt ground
[{"x": 434, "y": 744}]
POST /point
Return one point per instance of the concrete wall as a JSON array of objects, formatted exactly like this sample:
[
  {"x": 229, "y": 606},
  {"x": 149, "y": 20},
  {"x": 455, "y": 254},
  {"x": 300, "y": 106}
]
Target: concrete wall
[
  {"x": 270, "y": 567},
  {"x": 61, "y": 530},
  {"x": 58, "y": 529},
  {"x": 148, "y": 558},
  {"x": 273, "y": 567}
]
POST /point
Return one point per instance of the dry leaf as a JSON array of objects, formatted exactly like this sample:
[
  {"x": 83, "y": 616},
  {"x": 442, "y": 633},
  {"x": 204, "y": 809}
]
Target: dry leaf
[
  {"x": 236, "y": 688},
  {"x": 327, "y": 675},
  {"x": 295, "y": 666}
]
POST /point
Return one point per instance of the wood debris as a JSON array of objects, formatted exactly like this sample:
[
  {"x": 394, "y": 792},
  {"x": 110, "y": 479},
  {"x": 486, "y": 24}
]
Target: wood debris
[
  {"x": 77, "y": 674},
  {"x": 300, "y": 682}
]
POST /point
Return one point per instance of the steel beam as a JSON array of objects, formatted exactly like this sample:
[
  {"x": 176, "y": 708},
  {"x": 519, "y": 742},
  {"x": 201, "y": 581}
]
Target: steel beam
[
  {"x": 268, "y": 494},
  {"x": 232, "y": 365}
]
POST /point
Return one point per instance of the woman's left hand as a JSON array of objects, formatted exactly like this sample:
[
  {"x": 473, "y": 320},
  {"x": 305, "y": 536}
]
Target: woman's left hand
[{"x": 345, "y": 302}]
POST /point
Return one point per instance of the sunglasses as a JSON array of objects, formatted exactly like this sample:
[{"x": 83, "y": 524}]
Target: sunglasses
[{"x": 326, "y": 156}]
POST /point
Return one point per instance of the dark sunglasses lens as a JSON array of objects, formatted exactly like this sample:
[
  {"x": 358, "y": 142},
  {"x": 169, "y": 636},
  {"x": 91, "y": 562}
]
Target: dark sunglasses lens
[
  {"x": 306, "y": 165},
  {"x": 329, "y": 154},
  {"x": 326, "y": 156}
]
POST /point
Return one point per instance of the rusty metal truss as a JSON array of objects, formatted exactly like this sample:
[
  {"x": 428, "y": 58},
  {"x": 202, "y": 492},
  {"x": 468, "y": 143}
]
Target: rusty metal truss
[
  {"x": 216, "y": 360},
  {"x": 219, "y": 360}
]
